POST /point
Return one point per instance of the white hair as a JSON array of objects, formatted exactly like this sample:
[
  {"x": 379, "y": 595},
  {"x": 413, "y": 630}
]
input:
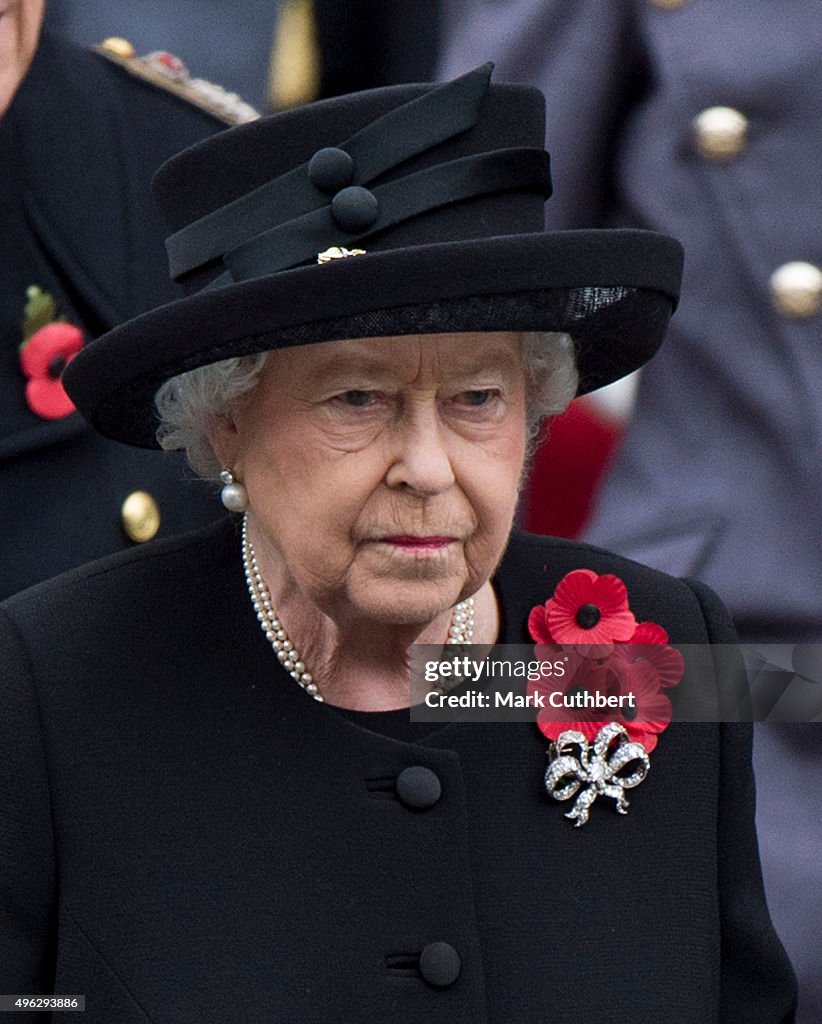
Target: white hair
[{"x": 189, "y": 404}]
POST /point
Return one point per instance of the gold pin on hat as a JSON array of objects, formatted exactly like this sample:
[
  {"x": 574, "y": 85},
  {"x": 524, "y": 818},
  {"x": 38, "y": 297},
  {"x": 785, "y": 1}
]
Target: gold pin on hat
[{"x": 337, "y": 252}]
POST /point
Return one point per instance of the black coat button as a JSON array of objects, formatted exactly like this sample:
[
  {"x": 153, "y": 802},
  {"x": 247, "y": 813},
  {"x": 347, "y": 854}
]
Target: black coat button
[
  {"x": 330, "y": 169},
  {"x": 440, "y": 964},
  {"x": 418, "y": 787},
  {"x": 354, "y": 208}
]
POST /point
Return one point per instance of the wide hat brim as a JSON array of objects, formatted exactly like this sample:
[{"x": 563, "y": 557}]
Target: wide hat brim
[{"x": 612, "y": 291}]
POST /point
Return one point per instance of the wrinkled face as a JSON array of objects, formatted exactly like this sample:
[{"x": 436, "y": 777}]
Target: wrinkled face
[
  {"x": 383, "y": 473},
  {"x": 20, "y": 22}
]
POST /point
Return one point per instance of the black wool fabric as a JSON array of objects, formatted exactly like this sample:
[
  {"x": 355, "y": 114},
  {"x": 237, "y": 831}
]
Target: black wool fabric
[{"x": 187, "y": 836}]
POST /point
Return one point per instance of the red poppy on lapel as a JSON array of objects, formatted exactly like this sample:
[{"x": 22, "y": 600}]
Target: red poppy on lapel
[
  {"x": 42, "y": 359},
  {"x": 585, "y": 609},
  {"x": 589, "y": 623},
  {"x": 666, "y": 661}
]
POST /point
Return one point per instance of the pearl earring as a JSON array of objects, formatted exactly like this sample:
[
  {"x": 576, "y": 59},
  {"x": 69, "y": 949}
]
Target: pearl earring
[{"x": 233, "y": 495}]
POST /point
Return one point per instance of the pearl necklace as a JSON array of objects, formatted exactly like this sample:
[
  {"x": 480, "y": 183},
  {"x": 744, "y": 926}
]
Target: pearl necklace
[{"x": 461, "y": 630}]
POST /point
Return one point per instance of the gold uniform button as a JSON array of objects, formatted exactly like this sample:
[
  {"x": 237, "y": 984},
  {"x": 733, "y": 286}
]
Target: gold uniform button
[
  {"x": 140, "y": 516},
  {"x": 796, "y": 289},
  {"x": 118, "y": 46},
  {"x": 720, "y": 133},
  {"x": 668, "y": 5}
]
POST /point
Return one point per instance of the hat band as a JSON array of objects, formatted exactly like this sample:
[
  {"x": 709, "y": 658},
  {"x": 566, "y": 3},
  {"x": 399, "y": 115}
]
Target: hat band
[
  {"x": 385, "y": 143},
  {"x": 288, "y": 245}
]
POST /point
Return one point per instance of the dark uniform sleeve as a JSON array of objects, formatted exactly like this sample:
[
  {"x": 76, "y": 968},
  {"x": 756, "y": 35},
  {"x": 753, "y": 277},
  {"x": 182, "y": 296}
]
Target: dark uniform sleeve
[
  {"x": 27, "y": 857},
  {"x": 757, "y": 981}
]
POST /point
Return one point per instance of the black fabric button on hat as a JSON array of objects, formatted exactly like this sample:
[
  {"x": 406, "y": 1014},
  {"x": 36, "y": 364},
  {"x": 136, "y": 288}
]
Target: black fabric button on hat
[
  {"x": 440, "y": 964},
  {"x": 331, "y": 169},
  {"x": 355, "y": 208},
  {"x": 418, "y": 787}
]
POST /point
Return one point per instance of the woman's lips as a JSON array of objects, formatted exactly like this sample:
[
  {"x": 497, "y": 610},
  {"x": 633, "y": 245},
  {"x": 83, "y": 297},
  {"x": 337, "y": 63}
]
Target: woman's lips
[{"x": 418, "y": 545}]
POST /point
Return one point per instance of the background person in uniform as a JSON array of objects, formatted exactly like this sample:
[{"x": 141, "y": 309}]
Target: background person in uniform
[
  {"x": 699, "y": 118},
  {"x": 274, "y": 52},
  {"x": 81, "y": 249},
  {"x": 229, "y": 43}
]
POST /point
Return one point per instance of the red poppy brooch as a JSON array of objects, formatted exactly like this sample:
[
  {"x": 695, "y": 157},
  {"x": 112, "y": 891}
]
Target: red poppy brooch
[
  {"x": 605, "y": 713},
  {"x": 48, "y": 347}
]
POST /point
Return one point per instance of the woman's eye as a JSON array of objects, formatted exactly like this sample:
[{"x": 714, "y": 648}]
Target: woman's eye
[
  {"x": 478, "y": 398},
  {"x": 357, "y": 399},
  {"x": 357, "y": 404}
]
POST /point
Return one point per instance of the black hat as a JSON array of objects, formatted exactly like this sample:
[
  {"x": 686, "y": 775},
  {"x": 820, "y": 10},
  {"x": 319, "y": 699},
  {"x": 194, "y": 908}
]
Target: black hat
[{"x": 440, "y": 191}]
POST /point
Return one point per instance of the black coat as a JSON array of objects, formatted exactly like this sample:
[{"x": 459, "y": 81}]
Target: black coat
[
  {"x": 78, "y": 147},
  {"x": 187, "y": 836}
]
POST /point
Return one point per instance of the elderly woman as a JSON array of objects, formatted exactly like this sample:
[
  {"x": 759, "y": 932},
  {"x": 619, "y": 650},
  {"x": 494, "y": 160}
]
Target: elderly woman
[{"x": 375, "y": 322}]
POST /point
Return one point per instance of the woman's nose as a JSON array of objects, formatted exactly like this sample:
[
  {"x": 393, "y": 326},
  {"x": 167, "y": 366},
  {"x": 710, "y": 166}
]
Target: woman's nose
[{"x": 421, "y": 461}]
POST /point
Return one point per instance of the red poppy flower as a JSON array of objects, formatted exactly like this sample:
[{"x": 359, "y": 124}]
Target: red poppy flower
[
  {"x": 582, "y": 676},
  {"x": 42, "y": 359},
  {"x": 593, "y": 652},
  {"x": 538, "y": 625},
  {"x": 649, "y": 633},
  {"x": 651, "y": 711},
  {"x": 666, "y": 661},
  {"x": 539, "y": 630},
  {"x": 589, "y": 624},
  {"x": 585, "y": 609}
]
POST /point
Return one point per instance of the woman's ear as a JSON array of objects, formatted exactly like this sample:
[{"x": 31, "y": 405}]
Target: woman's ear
[{"x": 225, "y": 441}]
